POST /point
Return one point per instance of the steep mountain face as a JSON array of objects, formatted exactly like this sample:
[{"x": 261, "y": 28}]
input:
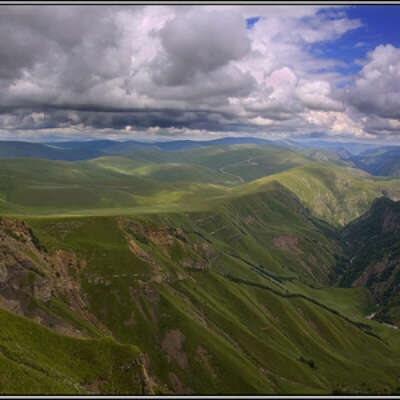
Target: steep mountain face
[
  {"x": 374, "y": 250},
  {"x": 217, "y": 301}
]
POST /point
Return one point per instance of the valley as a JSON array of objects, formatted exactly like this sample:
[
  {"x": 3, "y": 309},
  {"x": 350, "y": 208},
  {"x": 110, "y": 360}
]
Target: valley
[{"x": 162, "y": 272}]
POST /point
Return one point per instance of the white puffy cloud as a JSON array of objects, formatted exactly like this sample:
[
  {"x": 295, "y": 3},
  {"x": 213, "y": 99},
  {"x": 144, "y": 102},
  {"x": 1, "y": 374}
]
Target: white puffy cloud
[
  {"x": 335, "y": 123},
  {"x": 377, "y": 88},
  {"x": 317, "y": 95}
]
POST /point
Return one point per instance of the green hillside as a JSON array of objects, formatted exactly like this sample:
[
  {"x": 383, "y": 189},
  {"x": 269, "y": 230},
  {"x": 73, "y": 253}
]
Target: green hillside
[
  {"x": 335, "y": 194},
  {"x": 35, "y": 360},
  {"x": 167, "y": 172},
  {"x": 219, "y": 273}
]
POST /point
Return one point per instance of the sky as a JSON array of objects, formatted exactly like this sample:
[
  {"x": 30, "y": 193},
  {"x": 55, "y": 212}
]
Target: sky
[{"x": 163, "y": 72}]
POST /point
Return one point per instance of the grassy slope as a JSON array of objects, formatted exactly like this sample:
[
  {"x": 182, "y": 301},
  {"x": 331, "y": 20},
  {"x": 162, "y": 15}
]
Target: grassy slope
[
  {"x": 167, "y": 172},
  {"x": 335, "y": 194},
  {"x": 36, "y": 360},
  {"x": 253, "y": 329},
  {"x": 32, "y": 186}
]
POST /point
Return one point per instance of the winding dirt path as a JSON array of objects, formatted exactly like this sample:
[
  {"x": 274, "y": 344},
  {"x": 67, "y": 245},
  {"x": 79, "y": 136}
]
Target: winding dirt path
[{"x": 228, "y": 173}]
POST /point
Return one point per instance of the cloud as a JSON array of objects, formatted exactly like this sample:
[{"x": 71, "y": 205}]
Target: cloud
[
  {"x": 335, "y": 123},
  {"x": 199, "y": 42},
  {"x": 360, "y": 44},
  {"x": 317, "y": 95},
  {"x": 182, "y": 70},
  {"x": 377, "y": 88},
  {"x": 381, "y": 127},
  {"x": 45, "y": 40}
]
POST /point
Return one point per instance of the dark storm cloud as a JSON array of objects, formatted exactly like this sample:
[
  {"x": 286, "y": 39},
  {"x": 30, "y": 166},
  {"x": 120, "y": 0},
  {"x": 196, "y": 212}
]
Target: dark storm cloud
[
  {"x": 382, "y": 126},
  {"x": 67, "y": 49},
  {"x": 198, "y": 43},
  {"x": 44, "y": 35},
  {"x": 160, "y": 118},
  {"x": 61, "y": 58},
  {"x": 140, "y": 119}
]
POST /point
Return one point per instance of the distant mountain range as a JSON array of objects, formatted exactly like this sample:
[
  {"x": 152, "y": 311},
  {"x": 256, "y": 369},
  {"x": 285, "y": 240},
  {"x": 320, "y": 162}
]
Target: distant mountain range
[
  {"x": 353, "y": 148},
  {"x": 79, "y": 150},
  {"x": 383, "y": 161},
  {"x": 373, "y": 158},
  {"x": 109, "y": 146}
]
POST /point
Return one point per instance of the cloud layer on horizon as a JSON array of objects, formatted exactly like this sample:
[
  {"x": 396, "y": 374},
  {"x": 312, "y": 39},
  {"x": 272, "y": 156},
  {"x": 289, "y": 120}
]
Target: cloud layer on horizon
[{"x": 189, "y": 71}]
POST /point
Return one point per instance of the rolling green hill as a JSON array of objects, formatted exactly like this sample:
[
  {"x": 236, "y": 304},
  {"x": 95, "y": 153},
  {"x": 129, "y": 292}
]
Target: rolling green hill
[
  {"x": 171, "y": 172},
  {"x": 335, "y": 194},
  {"x": 150, "y": 181}
]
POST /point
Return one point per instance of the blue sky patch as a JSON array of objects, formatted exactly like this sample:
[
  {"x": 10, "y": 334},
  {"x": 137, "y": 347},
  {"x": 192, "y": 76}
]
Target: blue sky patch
[
  {"x": 380, "y": 25},
  {"x": 250, "y": 22}
]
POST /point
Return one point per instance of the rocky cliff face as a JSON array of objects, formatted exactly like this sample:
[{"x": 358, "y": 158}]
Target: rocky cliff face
[{"x": 40, "y": 285}]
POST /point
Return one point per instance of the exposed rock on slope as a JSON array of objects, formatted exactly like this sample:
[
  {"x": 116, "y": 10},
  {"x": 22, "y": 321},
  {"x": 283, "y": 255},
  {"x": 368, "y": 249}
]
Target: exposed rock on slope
[{"x": 40, "y": 285}]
